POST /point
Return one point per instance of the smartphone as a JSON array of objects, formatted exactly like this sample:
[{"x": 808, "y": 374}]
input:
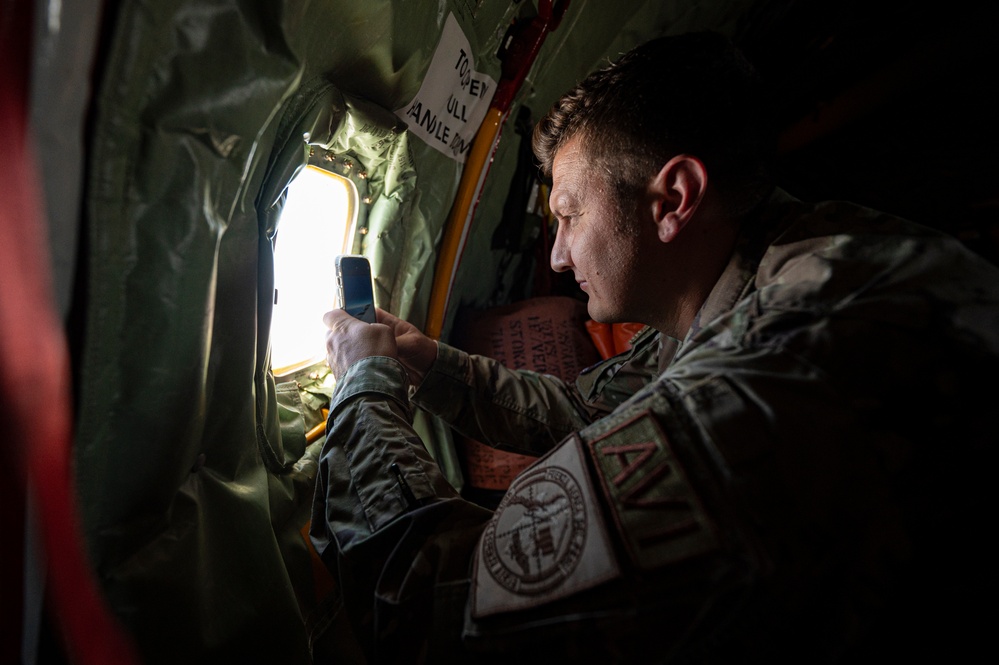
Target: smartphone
[{"x": 354, "y": 287}]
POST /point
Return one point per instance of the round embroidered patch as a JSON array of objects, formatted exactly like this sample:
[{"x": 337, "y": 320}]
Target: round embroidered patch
[{"x": 536, "y": 536}]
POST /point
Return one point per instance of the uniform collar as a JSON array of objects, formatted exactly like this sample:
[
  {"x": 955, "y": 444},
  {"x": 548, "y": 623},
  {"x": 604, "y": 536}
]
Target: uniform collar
[{"x": 757, "y": 230}]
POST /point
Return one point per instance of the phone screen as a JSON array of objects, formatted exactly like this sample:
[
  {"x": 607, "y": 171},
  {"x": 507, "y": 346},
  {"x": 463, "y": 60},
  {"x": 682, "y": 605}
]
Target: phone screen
[{"x": 354, "y": 286}]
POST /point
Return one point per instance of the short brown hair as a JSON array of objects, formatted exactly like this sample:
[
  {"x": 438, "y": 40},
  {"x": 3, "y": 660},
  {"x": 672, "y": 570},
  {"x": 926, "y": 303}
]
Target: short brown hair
[{"x": 693, "y": 93}]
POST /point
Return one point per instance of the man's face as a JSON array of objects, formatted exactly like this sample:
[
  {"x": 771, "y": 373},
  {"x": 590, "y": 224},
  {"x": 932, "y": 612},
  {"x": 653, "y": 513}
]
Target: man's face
[{"x": 599, "y": 239}]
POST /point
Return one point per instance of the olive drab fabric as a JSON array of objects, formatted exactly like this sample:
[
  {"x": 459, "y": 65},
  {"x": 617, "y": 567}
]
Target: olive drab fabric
[
  {"x": 804, "y": 477},
  {"x": 194, "y": 475}
]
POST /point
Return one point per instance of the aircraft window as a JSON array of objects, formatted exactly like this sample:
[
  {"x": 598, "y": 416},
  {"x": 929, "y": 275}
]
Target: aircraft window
[{"x": 316, "y": 224}]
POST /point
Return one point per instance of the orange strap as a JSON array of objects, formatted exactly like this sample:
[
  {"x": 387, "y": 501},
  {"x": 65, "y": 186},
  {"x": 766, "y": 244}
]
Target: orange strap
[{"x": 612, "y": 338}]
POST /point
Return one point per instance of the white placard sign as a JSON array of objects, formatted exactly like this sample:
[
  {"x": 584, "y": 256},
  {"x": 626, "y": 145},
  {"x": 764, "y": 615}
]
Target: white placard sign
[{"x": 453, "y": 98}]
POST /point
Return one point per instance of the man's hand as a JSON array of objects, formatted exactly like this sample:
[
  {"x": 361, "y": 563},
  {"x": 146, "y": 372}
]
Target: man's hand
[
  {"x": 349, "y": 340},
  {"x": 416, "y": 351}
]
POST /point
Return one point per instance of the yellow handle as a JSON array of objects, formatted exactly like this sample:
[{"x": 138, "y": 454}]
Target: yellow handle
[
  {"x": 460, "y": 218},
  {"x": 318, "y": 430}
]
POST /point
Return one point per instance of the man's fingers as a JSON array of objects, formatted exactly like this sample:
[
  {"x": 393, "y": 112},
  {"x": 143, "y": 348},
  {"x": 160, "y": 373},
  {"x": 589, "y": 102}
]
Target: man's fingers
[
  {"x": 338, "y": 319},
  {"x": 330, "y": 317}
]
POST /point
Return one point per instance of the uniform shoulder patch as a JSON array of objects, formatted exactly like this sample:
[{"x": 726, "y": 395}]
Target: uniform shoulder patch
[
  {"x": 546, "y": 540},
  {"x": 658, "y": 515}
]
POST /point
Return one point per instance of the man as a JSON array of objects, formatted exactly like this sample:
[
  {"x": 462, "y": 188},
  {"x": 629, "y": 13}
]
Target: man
[{"x": 801, "y": 475}]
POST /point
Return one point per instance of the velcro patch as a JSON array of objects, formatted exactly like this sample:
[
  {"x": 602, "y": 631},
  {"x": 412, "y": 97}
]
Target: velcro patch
[
  {"x": 659, "y": 516},
  {"x": 546, "y": 540}
]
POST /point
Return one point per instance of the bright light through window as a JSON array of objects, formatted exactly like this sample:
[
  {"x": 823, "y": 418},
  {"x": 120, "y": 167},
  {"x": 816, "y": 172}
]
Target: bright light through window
[{"x": 316, "y": 225}]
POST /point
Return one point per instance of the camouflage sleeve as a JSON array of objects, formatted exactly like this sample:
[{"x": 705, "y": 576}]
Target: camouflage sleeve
[
  {"x": 385, "y": 522},
  {"x": 374, "y": 467},
  {"x": 510, "y": 409},
  {"x": 527, "y": 411}
]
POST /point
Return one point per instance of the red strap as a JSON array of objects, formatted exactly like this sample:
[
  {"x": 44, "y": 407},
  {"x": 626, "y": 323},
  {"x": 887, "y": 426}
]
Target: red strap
[{"x": 34, "y": 361}]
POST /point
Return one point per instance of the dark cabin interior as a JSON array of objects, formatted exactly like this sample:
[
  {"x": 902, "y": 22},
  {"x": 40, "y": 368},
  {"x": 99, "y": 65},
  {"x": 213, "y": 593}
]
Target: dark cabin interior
[{"x": 889, "y": 104}]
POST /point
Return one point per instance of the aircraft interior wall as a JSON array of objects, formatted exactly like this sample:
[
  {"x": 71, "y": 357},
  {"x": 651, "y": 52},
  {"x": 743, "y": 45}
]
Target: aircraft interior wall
[{"x": 166, "y": 134}]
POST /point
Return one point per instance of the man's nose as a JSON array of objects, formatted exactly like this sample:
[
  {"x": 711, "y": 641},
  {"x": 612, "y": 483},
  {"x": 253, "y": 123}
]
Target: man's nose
[{"x": 561, "y": 259}]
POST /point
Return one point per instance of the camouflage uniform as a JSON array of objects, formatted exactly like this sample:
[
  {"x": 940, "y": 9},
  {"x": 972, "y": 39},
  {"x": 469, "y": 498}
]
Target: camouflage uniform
[{"x": 803, "y": 476}]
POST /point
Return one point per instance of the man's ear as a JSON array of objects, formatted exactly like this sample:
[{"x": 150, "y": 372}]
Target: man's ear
[{"x": 677, "y": 191}]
